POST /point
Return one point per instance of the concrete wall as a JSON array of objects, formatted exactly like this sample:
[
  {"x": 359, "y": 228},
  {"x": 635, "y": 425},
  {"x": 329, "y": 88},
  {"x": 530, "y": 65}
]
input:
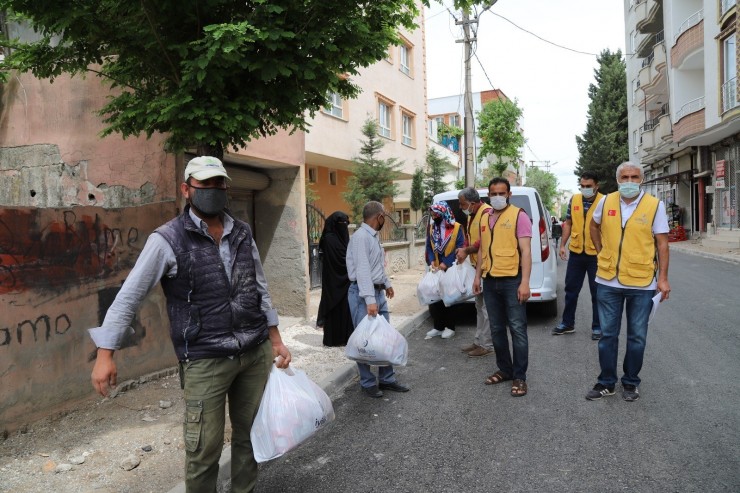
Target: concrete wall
[
  {"x": 76, "y": 212},
  {"x": 282, "y": 240}
]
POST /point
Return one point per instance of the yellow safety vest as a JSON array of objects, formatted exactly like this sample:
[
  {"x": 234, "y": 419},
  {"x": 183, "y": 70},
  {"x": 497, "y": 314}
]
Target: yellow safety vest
[
  {"x": 474, "y": 228},
  {"x": 579, "y": 230},
  {"x": 500, "y": 246},
  {"x": 628, "y": 253},
  {"x": 450, "y": 244}
]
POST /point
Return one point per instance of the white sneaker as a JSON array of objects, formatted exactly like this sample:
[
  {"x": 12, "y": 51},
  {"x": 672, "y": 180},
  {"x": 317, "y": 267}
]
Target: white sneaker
[
  {"x": 434, "y": 333},
  {"x": 447, "y": 333}
]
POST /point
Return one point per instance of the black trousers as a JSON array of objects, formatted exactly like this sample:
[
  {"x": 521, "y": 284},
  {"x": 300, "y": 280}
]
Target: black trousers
[{"x": 444, "y": 316}]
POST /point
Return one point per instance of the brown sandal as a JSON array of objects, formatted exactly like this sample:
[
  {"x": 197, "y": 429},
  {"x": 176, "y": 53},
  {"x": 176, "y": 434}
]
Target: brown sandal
[
  {"x": 497, "y": 377},
  {"x": 519, "y": 388}
]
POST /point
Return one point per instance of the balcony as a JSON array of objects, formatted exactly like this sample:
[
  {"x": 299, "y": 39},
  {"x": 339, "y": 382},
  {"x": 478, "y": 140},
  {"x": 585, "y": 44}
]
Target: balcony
[
  {"x": 689, "y": 120},
  {"x": 688, "y": 41},
  {"x": 664, "y": 131},
  {"x": 648, "y": 16},
  {"x": 729, "y": 94}
]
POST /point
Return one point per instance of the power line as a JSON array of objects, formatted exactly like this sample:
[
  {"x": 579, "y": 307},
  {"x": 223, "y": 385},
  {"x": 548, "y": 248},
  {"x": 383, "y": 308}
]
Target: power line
[{"x": 543, "y": 39}]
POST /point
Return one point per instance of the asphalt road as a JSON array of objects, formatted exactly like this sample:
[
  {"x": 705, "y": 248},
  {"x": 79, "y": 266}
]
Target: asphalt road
[{"x": 452, "y": 433}]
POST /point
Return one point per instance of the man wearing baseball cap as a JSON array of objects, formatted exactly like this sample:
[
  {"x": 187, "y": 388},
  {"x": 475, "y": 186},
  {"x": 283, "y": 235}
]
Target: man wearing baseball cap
[{"x": 222, "y": 324}]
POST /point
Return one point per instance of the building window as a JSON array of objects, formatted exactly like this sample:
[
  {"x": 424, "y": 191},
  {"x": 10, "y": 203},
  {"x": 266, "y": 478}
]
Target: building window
[
  {"x": 332, "y": 177},
  {"x": 455, "y": 120},
  {"x": 384, "y": 119},
  {"x": 408, "y": 129},
  {"x": 405, "y": 51},
  {"x": 729, "y": 74},
  {"x": 313, "y": 175},
  {"x": 334, "y": 105}
]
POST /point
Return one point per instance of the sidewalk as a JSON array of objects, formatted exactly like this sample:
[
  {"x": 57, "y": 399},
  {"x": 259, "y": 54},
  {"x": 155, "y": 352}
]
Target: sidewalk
[
  {"x": 693, "y": 247},
  {"x": 328, "y": 366}
]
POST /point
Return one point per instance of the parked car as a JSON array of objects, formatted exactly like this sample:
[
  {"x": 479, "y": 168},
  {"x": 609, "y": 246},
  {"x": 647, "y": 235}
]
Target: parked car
[{"x": 543, "y": 281}]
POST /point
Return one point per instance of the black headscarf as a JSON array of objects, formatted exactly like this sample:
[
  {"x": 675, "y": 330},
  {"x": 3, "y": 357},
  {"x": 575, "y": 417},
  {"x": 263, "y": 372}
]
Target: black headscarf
[{"x": 333, "y": 246}]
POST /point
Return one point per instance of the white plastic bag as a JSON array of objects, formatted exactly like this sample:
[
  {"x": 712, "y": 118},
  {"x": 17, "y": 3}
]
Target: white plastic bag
[
  {"x": 456, "y": 284},
  {"x": 375, "y": 342},
  {"x": 428, "y": 289},
  {"x": 292, "y": 409}
]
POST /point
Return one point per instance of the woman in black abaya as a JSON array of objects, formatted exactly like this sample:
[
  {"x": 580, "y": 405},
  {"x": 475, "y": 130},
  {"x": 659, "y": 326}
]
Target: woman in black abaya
[{"x": 334, "y": 315}]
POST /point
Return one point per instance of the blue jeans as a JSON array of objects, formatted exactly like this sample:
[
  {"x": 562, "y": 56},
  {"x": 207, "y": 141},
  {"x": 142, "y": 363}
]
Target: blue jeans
[
  {"x": 358, "y": 309},
  {"x": 500, "y": 295},
  {"x": 612, "y": 301},
  {"x": 580, "y": 265}
]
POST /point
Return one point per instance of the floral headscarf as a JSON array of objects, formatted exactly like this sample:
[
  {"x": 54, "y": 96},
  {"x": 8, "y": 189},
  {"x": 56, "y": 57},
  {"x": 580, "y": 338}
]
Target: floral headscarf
[{"x": 442, "y": 232}]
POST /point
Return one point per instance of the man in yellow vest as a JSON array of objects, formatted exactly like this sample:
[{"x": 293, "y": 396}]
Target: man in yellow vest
[
  {"x": 503, "y": 268},
  {"x": 582, "y": 260},
  {"x": 629, "y": 230},
  {"x": 474, "y": 209}
]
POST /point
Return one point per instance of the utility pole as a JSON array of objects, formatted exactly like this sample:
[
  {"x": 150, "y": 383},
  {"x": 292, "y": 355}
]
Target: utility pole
[{"x": 468, "y": 122}]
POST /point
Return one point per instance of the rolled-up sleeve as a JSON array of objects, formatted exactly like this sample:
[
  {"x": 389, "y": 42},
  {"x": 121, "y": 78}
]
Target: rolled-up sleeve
[{"x": 155, "y": 260}]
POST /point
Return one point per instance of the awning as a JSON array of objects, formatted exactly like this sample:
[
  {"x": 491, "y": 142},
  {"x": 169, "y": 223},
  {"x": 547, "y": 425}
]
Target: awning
[{"x": 671, "y": 178}]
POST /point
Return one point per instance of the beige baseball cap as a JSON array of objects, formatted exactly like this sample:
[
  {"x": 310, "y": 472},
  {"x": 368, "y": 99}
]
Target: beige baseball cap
[{"x": 204, "y": 167}]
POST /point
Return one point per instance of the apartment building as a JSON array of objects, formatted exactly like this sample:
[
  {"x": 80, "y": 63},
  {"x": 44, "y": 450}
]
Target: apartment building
[
  {"x": 449, "y": 110},
  {"x": 683, "y": 109},
  {"x": 394, "y": 94}
]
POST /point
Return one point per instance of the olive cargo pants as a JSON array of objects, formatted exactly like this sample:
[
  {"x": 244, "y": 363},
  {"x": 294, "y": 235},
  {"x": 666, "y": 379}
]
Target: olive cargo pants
[{"x": 207, "y": 383}]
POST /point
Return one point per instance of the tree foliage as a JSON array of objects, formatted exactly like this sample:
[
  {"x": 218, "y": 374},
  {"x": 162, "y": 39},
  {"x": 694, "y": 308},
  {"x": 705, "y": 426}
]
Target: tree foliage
[
  {"x": 434, "y": 175},
  {"x": 499, "y": 130},
  {"x": 372, "y": 177},
  {"x": 604, "y": 144},
  {"x": 417, "y": 190},
  {"x": 208, "y": 73},
  {"x": 545, "y": 183}
]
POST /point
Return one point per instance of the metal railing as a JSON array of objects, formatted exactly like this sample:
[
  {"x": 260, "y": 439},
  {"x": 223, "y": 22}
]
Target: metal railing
[
  {"x": 648, "y": 59},
  {"x": 691, "y": 107},
  {"x": 729, "y": 94},
  {"x": 690, "y": 22},
  {"x": 392, "y": 231}
]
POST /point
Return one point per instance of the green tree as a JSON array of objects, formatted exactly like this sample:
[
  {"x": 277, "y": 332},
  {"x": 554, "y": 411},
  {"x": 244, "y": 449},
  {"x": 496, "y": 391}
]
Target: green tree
[
  {"x": 372, "y": 178},
  {"x": 545, "y": 183},
  {"x": 604, "y": 144},
  {"x": 436, "y": 169},
  {"x": 208, "y": 73},
  {"x": 499, "y": 130},
  {"x": 417, "y": 190}
]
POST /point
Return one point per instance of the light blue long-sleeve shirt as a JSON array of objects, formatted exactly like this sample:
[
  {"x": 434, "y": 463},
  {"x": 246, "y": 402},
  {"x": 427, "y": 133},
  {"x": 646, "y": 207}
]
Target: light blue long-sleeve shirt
[
  {"x": 366, "y": 262},
  {"x": 155, "y": 261}
]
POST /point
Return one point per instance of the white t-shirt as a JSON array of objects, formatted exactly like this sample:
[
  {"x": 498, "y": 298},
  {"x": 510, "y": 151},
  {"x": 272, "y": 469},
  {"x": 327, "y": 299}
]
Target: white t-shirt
[{"x": 660, "y": 226}]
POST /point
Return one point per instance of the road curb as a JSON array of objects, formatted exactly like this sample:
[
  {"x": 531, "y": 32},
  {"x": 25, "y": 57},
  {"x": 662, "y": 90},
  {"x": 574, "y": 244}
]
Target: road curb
[
  {"x": 698, "y": 253},
  {"x": 332, "y": 384}
]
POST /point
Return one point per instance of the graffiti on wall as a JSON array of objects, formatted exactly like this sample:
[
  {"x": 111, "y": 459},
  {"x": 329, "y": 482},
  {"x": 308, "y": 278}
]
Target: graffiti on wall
[
  {"x": 40, "y": 328},
  {"x": 44, "y": 249}
]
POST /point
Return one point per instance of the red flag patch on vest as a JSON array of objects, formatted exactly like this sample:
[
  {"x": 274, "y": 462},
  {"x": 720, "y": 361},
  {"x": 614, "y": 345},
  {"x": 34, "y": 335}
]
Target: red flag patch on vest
[
  {"x": 576, "y": 207},
  {"x": 612, "y": 212}
]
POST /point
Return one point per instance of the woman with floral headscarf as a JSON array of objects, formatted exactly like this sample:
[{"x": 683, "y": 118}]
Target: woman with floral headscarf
[{"x": 444, "y": 237}]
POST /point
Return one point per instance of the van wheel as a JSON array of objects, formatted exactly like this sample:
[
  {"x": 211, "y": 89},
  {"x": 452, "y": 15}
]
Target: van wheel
[{"x": 551, "y": 308}]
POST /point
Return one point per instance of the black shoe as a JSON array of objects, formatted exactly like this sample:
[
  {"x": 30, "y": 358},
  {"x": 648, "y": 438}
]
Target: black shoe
[
  {"x": 373, "y": 391},
  {"x": 562, "y": 329},
  {"x": 599, "y": 391},
  {"x": 595, "y": 335},
  {"x": 395, "y": 387},
  {"x": 630, "y": 393}
]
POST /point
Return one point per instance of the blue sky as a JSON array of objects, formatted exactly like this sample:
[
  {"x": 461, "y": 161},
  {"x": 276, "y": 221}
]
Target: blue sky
[{"x": 549, "y": 82}]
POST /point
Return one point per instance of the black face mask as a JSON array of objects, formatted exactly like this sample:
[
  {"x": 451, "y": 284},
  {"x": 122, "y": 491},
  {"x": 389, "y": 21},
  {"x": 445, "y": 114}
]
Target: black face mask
[
  {"x": 208, "y": 201},
  {"x": 437, "y": 220}
]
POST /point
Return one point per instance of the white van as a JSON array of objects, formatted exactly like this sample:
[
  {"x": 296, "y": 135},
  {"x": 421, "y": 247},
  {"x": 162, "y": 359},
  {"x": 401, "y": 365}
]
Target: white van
[{"x": 543, "y": 281}]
